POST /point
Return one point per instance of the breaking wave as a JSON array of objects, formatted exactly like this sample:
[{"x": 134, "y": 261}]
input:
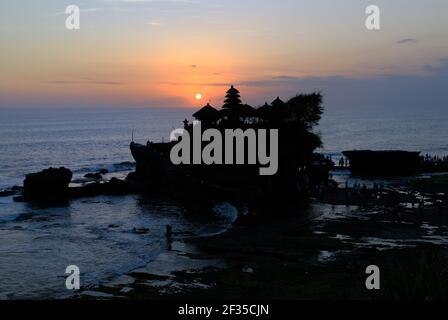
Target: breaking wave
[{"x": 111, "y": 168}]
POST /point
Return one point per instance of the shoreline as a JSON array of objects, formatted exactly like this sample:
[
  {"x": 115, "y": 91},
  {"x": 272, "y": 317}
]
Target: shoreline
[
  {"x": 305, "y": 256},
  {"x": 319, "y": 254}
]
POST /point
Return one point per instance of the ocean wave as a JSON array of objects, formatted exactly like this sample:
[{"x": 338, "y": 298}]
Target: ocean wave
[
  {"x": 8, "y": 217},
  {"x": 111, "y": 168}
]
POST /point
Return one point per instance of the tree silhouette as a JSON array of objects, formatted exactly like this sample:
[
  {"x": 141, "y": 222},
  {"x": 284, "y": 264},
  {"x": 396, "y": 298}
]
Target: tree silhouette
[{"x": 305, "y": 109}]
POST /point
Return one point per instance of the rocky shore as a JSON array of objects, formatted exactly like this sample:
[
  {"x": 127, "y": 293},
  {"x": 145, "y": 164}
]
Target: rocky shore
[
  {"x": 314, "y": 251},
  {"x": 52, "y": 186},
  {"x": 289, "y": 261},
  {"x": 320, "y": 252}
]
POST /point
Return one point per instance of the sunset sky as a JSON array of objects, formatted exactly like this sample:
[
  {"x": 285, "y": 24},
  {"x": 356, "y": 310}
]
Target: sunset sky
[{"x": 155, "y": 53}]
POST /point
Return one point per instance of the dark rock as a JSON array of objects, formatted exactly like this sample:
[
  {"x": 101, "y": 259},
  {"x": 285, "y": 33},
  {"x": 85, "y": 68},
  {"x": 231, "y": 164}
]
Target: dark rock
[
  {"x": 7, "y": 193},
  {"x": 133, "y": 176},
  {"x": 11, "y": 191},
  {"x": 19, "y": 199},
  {"x": 390, "y": 162},
  {"x": 113, "y": 187},
  {"x": 50, "y": 185},
  {"x": 116, "y": 186},
  {"x": 88, "y": 190},
  {"x": 95, "y": 176},
  {"x": 140, "y": 230},
  {"x": 17, "y": 189},
  {"x": 104, "y": 171}
]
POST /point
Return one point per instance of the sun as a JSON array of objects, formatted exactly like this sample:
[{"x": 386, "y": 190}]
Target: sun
[{"x": 198, "y": 96}]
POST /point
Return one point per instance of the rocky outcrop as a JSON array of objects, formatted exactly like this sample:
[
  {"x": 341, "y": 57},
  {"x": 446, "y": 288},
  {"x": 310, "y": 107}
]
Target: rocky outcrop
[
  {"x": 94, "y": 176},
  {"x": 387, "y": 162},
  {"x": 11, "y": 191},
  {"x": 113, "y": 187},
  {"x": 50, "y": 185}
]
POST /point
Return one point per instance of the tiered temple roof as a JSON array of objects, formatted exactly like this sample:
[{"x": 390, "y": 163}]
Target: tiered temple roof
[
  {"x": 233, "y": 108},
  {"x": 207, "y": 113}
]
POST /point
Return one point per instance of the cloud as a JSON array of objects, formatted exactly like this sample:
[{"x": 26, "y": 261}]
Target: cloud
[
  {"x": 128, "y": 6},
  {"x": 238, "y": 31},
  {"x": 440, "y": 67},
  {"x": 137, "y": 1},
  {"x": 285, "y": 78},
  {"x": 85, "y": 81},
  {"x": 393, "y": 92},
  {"x": 154, "y": 23},
  {"x": 86, "y": 10},
  {"x": 134, "y": 2},
  {"x": 406, "y": 40}
]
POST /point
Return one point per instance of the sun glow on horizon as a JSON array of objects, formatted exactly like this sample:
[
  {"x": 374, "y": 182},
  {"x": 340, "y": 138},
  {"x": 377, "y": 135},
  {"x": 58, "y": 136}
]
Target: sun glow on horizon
[{"x": 197, "y": 51}]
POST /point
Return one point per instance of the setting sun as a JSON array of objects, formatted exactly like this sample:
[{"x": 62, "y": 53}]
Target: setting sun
[{"x": 198, "y": 96}]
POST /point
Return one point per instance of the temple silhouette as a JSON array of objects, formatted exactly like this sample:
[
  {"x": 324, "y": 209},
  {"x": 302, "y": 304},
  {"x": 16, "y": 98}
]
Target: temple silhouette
[
  {"x": 236, "y": 113},
  {"x": 298, "y": 166}
]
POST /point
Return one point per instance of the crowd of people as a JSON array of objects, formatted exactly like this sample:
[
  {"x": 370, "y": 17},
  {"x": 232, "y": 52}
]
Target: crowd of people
[{"x": 428, "y": 159}]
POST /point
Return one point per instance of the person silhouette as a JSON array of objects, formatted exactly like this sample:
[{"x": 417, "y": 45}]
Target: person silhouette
[
  {"x": 169, "y": 232},
  {"x": 169, "y": 237}
]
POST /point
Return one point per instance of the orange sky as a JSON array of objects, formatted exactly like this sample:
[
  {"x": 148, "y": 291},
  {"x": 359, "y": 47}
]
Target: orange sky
[{"x": 162, "y": 53}]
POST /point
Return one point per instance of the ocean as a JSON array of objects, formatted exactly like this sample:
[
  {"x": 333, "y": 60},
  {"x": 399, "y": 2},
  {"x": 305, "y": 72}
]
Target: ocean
[
  {"x": 423, "y": 131},
  {"x": 86, "y": 140},
  {"x": 38, "y": 243}
]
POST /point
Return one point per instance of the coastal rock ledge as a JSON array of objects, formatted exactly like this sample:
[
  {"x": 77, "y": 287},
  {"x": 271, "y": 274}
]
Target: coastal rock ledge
[
  {"x": 48, "y": 185},
  {"x": 51, "y": 186}
]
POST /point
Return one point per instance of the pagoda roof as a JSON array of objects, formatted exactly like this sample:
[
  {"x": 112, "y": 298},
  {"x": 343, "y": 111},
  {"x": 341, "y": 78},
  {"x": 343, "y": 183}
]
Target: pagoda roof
[
  {"x": 206, "y": 113},
  {"x": 265, "y": 110},
  {"x": 233, "y": 90},
  {"x": 277, "y": 102},
  {"x": 243, "y": 110},
  {"x": 247, "y": 110}
]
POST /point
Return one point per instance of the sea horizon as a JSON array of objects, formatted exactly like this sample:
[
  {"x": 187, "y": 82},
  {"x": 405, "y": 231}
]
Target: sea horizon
[{"x": 36, "y": 128}]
